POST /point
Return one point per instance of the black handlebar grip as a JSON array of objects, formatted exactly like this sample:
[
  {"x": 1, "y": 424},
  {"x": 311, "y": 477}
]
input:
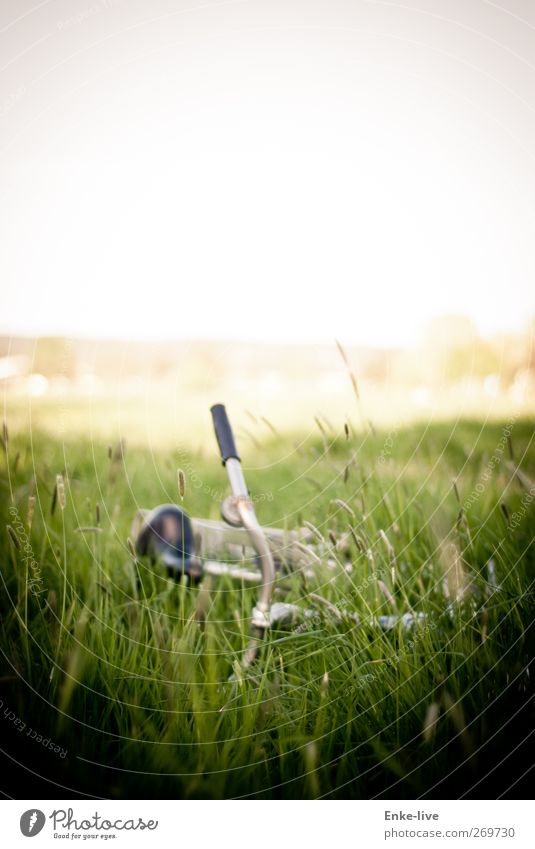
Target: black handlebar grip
[{"x": 223, "y": 432}]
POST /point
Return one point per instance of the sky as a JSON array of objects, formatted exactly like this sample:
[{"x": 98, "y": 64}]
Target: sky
[{"x": 272, "y": 170}]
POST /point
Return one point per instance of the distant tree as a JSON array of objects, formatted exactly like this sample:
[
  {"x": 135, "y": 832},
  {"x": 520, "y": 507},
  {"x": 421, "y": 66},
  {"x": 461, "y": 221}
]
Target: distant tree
[
  {"x": 450, "y": 331},
  {"x": 455, "y": 349},
  {"x": 54, "y": 355}
]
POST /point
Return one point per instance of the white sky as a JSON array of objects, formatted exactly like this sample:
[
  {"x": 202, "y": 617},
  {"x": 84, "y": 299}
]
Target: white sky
[{"x": 283, "y": 171}]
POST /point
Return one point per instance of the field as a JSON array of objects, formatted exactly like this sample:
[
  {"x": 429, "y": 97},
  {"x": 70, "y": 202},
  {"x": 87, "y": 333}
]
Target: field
[{"x": 114, "y": 679}]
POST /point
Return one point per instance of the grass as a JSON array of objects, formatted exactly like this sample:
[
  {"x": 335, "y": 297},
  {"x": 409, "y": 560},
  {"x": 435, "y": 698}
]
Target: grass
[{"x": 129, "y": 678}]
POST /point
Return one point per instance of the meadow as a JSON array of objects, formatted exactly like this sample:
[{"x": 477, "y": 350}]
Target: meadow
[{"x": 115, "y": 679}]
